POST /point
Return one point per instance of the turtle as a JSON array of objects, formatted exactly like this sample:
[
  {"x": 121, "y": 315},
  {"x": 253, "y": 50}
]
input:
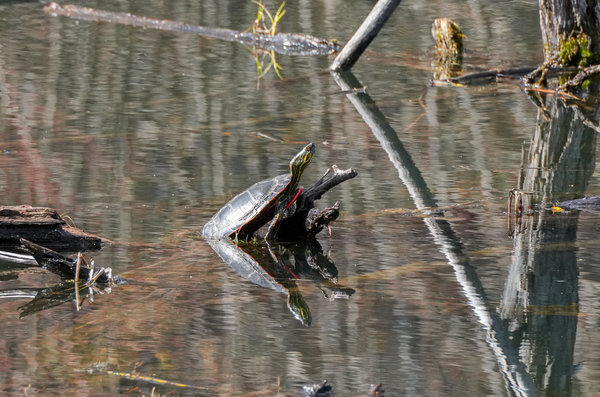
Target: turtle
[{"x": 268, "y": 200}]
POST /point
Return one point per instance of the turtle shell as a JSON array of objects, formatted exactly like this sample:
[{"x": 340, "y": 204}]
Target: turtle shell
[{"x": 248, "y": 211}]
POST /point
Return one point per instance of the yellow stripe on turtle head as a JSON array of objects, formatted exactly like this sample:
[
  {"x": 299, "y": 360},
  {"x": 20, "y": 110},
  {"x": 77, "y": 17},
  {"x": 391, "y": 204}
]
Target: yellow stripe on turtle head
[{"x": 302, "y": 160}]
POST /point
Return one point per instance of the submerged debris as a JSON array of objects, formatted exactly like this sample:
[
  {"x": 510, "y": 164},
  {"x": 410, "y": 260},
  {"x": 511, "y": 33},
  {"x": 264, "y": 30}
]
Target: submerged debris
[
  {"x": 588, "y": 204},
  {"x": 69, "y": 268},
  {"x": 375, "y": 390},
  {"x": 317, "y": 390},
  {"x": 283, "y": 43},
  {"x": 80, "y": 279},
  {"x": 325, "y": 390},
  {"x": 102, "y": 368}
]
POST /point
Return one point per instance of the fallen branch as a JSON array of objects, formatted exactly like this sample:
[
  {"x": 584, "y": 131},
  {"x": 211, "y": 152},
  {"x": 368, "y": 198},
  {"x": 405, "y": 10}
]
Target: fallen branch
[
  {"x": 307, "y": 220},
  {"x": 493, "y": 75},
  {"x": 283, "y": 43},
  {"x": 580, "y": 77},
  {"x": 306, "y": 201},
  {"x": 68, "y": 268},
  {"x": 364, "y": 35}
]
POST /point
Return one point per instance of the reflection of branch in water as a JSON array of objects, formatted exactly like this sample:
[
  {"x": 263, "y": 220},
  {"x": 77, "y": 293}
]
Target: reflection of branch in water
[
  {"x": 513, "y": 370},
  {"x": 103, "y": 369},
  {"x": 47, "y": 298},
  {"x": 282, "y": 43},
  {"x": 85, "y": 281}
]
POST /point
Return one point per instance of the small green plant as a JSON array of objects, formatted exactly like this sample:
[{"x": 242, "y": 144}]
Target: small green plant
[
  {"x": 260, "y": 24},
  {"x": 266, "y": 24}
]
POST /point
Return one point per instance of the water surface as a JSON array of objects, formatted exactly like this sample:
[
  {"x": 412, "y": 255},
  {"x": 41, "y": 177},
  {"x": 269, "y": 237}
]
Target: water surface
[{"x": 140, "y": 136}]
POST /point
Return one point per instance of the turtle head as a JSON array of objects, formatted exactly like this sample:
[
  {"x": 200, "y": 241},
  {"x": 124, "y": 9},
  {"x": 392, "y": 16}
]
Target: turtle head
[{"x": 302, "y": 160}]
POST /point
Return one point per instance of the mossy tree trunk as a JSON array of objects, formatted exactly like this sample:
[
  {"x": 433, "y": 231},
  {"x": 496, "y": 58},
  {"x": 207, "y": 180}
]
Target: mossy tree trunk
[{"x": 571, "y": 32}]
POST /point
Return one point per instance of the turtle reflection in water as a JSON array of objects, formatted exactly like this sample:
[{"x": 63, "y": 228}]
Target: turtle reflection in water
[
  {"x": 272, "y": 199},
  {"x": 281, "y": 267}
]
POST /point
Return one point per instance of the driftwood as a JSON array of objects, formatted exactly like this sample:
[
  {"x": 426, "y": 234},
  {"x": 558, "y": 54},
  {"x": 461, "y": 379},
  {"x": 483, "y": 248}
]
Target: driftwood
[
  {"x": 580, "y": 77},
  {"x": 282, "y": 43},
  {"x": 78, "y": 280},
  {"x": 364, "y": 35},
  {"x": 43, "y": 226},
  {"x": 67, "y": 268},
  {"x": 307, "y": 220}
]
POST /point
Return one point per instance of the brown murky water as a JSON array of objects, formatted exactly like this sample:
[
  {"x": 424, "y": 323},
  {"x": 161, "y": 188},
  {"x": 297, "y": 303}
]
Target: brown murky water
[{"x": 140, "y": 136}]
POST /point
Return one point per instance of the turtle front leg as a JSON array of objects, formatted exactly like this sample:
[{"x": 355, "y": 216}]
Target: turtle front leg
[{"x": 274, "y": 225}]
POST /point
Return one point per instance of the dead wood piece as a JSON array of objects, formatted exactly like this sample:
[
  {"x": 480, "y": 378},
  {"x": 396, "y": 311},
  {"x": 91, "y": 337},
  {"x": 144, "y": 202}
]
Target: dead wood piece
[
  {"x": 299, "y": 225},
  {"x": 306, "y": 201},
  {"x": 375, "y": 390},
  {"x": 449, "y": 48},
  {"x": 448, "y": 38},
  {"x": 28, "y": 215},
  {"x": 54, "y": 262},
  {"x": 66, "y": 267},
  {"x": 526, "y": 74},
  {"x": 283, "y": 43},
  {"x": 317, "y": 390},
  {"x": 43, "y": 226},
  {"x": 318, "y": 220},
  {"x": 364, "y": 35},
  {"x": 591, "y": 204},
  {"x": 580, "y": 77}
]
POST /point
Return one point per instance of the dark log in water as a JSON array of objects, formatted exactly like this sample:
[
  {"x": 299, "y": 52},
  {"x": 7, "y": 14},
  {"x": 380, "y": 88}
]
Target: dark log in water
[
  {"x": 67, "y": 268},
  {"x": 282, "y": 43},
  {"x": 43, "y": 226},
  {"x": 589, "y": 204},
  {"x": 307, "y": 220}
]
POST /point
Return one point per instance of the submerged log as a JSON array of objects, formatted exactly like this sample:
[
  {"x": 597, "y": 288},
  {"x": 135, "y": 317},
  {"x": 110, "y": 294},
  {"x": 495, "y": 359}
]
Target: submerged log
[
  {"x": 282, "y": 43},
  {"x": 43, "y": 226}
]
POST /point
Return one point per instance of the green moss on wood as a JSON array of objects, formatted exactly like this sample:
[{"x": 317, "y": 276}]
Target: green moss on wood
[{"x": 575, "y": 50}]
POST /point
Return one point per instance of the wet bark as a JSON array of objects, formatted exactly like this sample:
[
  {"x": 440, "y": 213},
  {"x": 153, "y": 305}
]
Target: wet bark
[
  {"x": 364, "y": 35},
  {"x": 307, "y": 220},
  {"x": 571, "y": 36},
  {"x": 43, "y": 226},
  {"x": 65, "y": 267},
  {"x": 562, "y": 21}
]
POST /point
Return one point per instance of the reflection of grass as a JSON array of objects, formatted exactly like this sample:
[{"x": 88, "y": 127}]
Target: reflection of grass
[
  {"x": 272, "y": 63},
  {"x": 266, "y": 24}
]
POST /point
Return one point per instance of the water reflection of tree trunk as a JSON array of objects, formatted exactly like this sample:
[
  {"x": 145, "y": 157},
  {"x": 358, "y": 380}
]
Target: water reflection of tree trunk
[
  {"x": 517, "y": 379},
  {"x": 541, "y": 295}
]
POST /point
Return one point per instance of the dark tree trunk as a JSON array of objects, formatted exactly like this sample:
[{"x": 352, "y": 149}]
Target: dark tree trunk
[{"x": 570, "y": 31}]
